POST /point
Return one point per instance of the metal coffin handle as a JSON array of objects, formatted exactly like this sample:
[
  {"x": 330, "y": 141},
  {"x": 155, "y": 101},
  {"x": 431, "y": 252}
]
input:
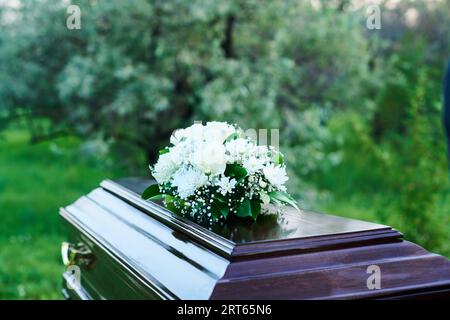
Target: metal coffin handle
[{"x": 79, "y": 254}]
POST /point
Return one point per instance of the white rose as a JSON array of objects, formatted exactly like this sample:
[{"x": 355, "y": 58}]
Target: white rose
[
  {"x": 194, "y": 132},
  {"x": 177, "y": 136},
  {"x": 218, "y": 131},
  {"x": 209, "y": 157}
]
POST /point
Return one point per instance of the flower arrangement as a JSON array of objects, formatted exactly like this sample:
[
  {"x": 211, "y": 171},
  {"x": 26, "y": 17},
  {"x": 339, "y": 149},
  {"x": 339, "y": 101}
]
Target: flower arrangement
[{"x": 213, "y": 171}]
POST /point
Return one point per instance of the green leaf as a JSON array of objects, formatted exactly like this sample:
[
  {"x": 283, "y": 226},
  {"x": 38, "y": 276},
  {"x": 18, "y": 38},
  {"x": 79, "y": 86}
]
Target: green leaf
[
  {"x": 245, "y": 209},
  {"x": 240, "y": 173},
  {"x": 170, "y": 206},
  {"x": 223, "y": 207},
  {"x": 236, "y": 171},
  {"x": 152, "y": 193},
  {"x": 163, "y": 151},
  {"x": 280, "y": 159},
  {"x": 220, "y": 204},
  {"x": 280, "y": 197},
  {"x": 220, "y": 197},
  {"x": 256, "y": 207},
  {"x": 215, "y": 211},
  {"x": 169, "y": 200},
  {"x": 232, "y": 136}
]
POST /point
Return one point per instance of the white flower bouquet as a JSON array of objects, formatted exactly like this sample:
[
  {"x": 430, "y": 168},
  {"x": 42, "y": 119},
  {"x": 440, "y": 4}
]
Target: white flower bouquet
[{"x": 212, "y": 171}]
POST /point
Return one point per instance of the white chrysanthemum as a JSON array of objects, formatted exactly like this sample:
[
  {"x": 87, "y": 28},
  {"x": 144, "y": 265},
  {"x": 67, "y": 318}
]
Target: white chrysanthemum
[
  {"x": 276, "y": 175},
  {"x": 187, "y": 181},
  {"x": 236, "y": 149},
  {"x": 226, "y": 185},
  {"x": 164, "y": 168},
  {"x": 253, "y": 164},
  {"x": 209, "y": 157}
]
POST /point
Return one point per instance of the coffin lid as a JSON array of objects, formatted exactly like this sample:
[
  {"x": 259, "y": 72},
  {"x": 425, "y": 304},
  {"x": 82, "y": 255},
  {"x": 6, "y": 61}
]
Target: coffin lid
[{"x": 290, "y": 232}]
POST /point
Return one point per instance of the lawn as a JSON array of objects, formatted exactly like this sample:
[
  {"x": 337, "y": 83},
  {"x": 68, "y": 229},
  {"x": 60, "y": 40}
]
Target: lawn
[{"x": 35, "y": 180}]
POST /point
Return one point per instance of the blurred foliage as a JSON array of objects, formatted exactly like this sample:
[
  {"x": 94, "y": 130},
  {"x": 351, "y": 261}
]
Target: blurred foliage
[
  {"x": 358, "y": 110},
  {"x": 155, "y": 66}
]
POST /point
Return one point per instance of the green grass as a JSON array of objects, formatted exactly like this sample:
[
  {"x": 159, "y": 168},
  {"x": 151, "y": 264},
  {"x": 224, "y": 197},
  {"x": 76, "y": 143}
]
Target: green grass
[{"x": 35, "y": 180}]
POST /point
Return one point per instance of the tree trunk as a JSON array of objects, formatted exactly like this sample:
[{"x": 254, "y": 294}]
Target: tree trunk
[{"x": 227, "y": 43}]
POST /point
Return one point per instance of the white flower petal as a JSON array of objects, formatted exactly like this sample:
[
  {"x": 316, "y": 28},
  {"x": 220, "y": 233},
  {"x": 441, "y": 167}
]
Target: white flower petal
[{"x": 276, "y": 175}]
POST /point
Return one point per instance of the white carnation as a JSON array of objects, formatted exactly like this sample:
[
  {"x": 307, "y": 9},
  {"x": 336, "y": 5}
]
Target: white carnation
[
  {"x": 187, "y": 181},
  {"x": 164, "y": 168},
  {"x": 180, "y": 152},
  {"x": 276, "y": 175}
]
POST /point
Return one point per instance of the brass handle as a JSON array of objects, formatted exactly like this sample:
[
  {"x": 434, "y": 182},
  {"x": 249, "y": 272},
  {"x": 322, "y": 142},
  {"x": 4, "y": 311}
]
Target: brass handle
[{"x": 76, "y": 254}]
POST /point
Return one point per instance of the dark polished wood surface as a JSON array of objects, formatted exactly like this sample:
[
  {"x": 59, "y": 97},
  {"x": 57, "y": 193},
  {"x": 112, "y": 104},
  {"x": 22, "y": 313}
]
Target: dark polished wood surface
[
  {"x": 406, "y": 270},
  {"x": 291, "y": 223},
  {"x": 136, "y": 255},
  {"x": 143, "y": 251},
  {"x": 271, "y": 234}
]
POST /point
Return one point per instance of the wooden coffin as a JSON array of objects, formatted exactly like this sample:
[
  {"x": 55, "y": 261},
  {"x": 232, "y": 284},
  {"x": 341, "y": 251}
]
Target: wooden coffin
[{"x": 128, "y": 248}]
